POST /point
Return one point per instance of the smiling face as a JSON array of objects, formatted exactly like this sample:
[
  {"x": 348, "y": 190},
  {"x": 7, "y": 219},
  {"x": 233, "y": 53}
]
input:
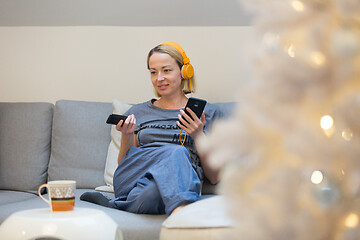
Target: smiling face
[{"x": 165, "y": 74}]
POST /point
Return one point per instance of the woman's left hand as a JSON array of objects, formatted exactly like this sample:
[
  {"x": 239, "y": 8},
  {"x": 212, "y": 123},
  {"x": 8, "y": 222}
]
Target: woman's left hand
[{"x": 195, "y": 126}]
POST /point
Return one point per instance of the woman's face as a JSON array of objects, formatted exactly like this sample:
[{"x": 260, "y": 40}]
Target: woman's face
[{"x": 165, "y": 74}]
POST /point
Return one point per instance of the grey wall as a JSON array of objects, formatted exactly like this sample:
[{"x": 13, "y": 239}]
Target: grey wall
[{"x": 123, "y": 13}]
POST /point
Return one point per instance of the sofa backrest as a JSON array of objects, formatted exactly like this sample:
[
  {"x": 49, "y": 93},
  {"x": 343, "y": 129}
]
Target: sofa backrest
[
  {"x": 80, "y": 140},
  {"x": 25, "y": 133},
  {"x": 72, "y": 134},
  {"x": 227, "y": 108}
]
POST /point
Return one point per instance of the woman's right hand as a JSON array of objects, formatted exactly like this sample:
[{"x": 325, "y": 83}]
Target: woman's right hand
[{"x": 129, "y": 125}]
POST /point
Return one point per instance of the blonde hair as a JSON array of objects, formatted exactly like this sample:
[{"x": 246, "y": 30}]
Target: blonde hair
[{"x": 175, "y": 54}]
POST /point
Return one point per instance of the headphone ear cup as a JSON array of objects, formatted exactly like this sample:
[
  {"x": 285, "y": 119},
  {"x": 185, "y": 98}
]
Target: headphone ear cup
[{"x": 187, "y": 71}]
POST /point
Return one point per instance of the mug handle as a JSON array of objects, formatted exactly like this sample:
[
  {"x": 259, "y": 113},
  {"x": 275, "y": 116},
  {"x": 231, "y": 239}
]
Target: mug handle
[{"x": 39, "y": 193}]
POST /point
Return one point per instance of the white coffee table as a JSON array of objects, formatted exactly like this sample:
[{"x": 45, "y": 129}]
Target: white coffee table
[{"x": 81, "y": 223}]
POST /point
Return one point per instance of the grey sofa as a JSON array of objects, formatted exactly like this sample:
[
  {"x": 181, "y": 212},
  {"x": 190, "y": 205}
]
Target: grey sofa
[{"x": 69, "y": 140}]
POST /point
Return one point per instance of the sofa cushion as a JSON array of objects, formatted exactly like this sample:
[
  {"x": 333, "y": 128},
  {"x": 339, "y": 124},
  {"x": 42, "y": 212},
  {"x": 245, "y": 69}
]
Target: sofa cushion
[
  {"x": 227, "y": 108},
  {"x": 113, "y": 150},
  {"x": 80, "y": 139},
  {"x": 15, "y": 196},
  {"x": 25, "y": 134},
  {"x": 132, "y": 225}
]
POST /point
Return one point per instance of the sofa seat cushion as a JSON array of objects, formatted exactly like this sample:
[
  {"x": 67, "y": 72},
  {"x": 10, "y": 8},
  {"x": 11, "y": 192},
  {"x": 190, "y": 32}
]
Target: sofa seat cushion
[
  {"x": 133, "y": 226},
  {"x": 14, "y": 196},
  {"x": 25, "y": 133},
  {"x": 204, "y": 219},
  {"x": 80, "y": 140}
]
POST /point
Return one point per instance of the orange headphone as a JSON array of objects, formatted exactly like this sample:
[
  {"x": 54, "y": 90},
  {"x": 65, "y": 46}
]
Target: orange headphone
[{"x": 187, "y": 70}]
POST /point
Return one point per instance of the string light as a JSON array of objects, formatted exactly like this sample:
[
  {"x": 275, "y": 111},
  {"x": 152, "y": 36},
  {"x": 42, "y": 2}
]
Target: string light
[
  {"x": 326, "y": 122},
  {"x": 347, "y": 134},
  {"x": 317, "y": 177},
  {"x": 317, "y": 58},
  {"x": 291, "y": 51},
  {"x": 352, "y": 220},
  {"x": 298, "y": 5}
]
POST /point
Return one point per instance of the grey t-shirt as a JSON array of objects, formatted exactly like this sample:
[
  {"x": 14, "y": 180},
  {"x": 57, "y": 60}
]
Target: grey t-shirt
[{"x": 157, "y": 127}]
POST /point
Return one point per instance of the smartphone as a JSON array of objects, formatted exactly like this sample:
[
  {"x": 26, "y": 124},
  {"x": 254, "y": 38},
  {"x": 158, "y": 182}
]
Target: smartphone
[
  {"x": 196, "y": 105},
  {"x": 115, "y": 119}
]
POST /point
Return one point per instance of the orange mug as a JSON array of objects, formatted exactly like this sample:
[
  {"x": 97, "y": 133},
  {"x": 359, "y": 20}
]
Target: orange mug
[{"x": 61, "y": 194}]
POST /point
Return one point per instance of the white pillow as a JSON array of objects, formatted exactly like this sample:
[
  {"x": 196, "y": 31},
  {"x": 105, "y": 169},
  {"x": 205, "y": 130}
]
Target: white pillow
[
  {"x": 202, "y": 220},
  {"x": 113, "y": 150},
  {"x": 210, "y": 212}
]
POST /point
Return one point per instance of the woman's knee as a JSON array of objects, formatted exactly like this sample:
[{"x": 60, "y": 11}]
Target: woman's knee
[{"x": 147, "y": 198}]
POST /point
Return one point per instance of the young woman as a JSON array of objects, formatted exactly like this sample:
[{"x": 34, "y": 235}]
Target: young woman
[{"x": 159, "y": 168}]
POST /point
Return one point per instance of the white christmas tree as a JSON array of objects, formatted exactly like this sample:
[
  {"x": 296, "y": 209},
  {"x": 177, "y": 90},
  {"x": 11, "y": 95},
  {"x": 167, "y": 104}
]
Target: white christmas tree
[{"x": 292, "y": 150}]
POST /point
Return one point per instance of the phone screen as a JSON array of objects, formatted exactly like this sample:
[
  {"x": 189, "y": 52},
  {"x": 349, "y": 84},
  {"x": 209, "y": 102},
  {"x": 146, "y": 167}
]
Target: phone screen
[
  {"x": 115, "y": 119},
  {"x": 196, "y": 105}
]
